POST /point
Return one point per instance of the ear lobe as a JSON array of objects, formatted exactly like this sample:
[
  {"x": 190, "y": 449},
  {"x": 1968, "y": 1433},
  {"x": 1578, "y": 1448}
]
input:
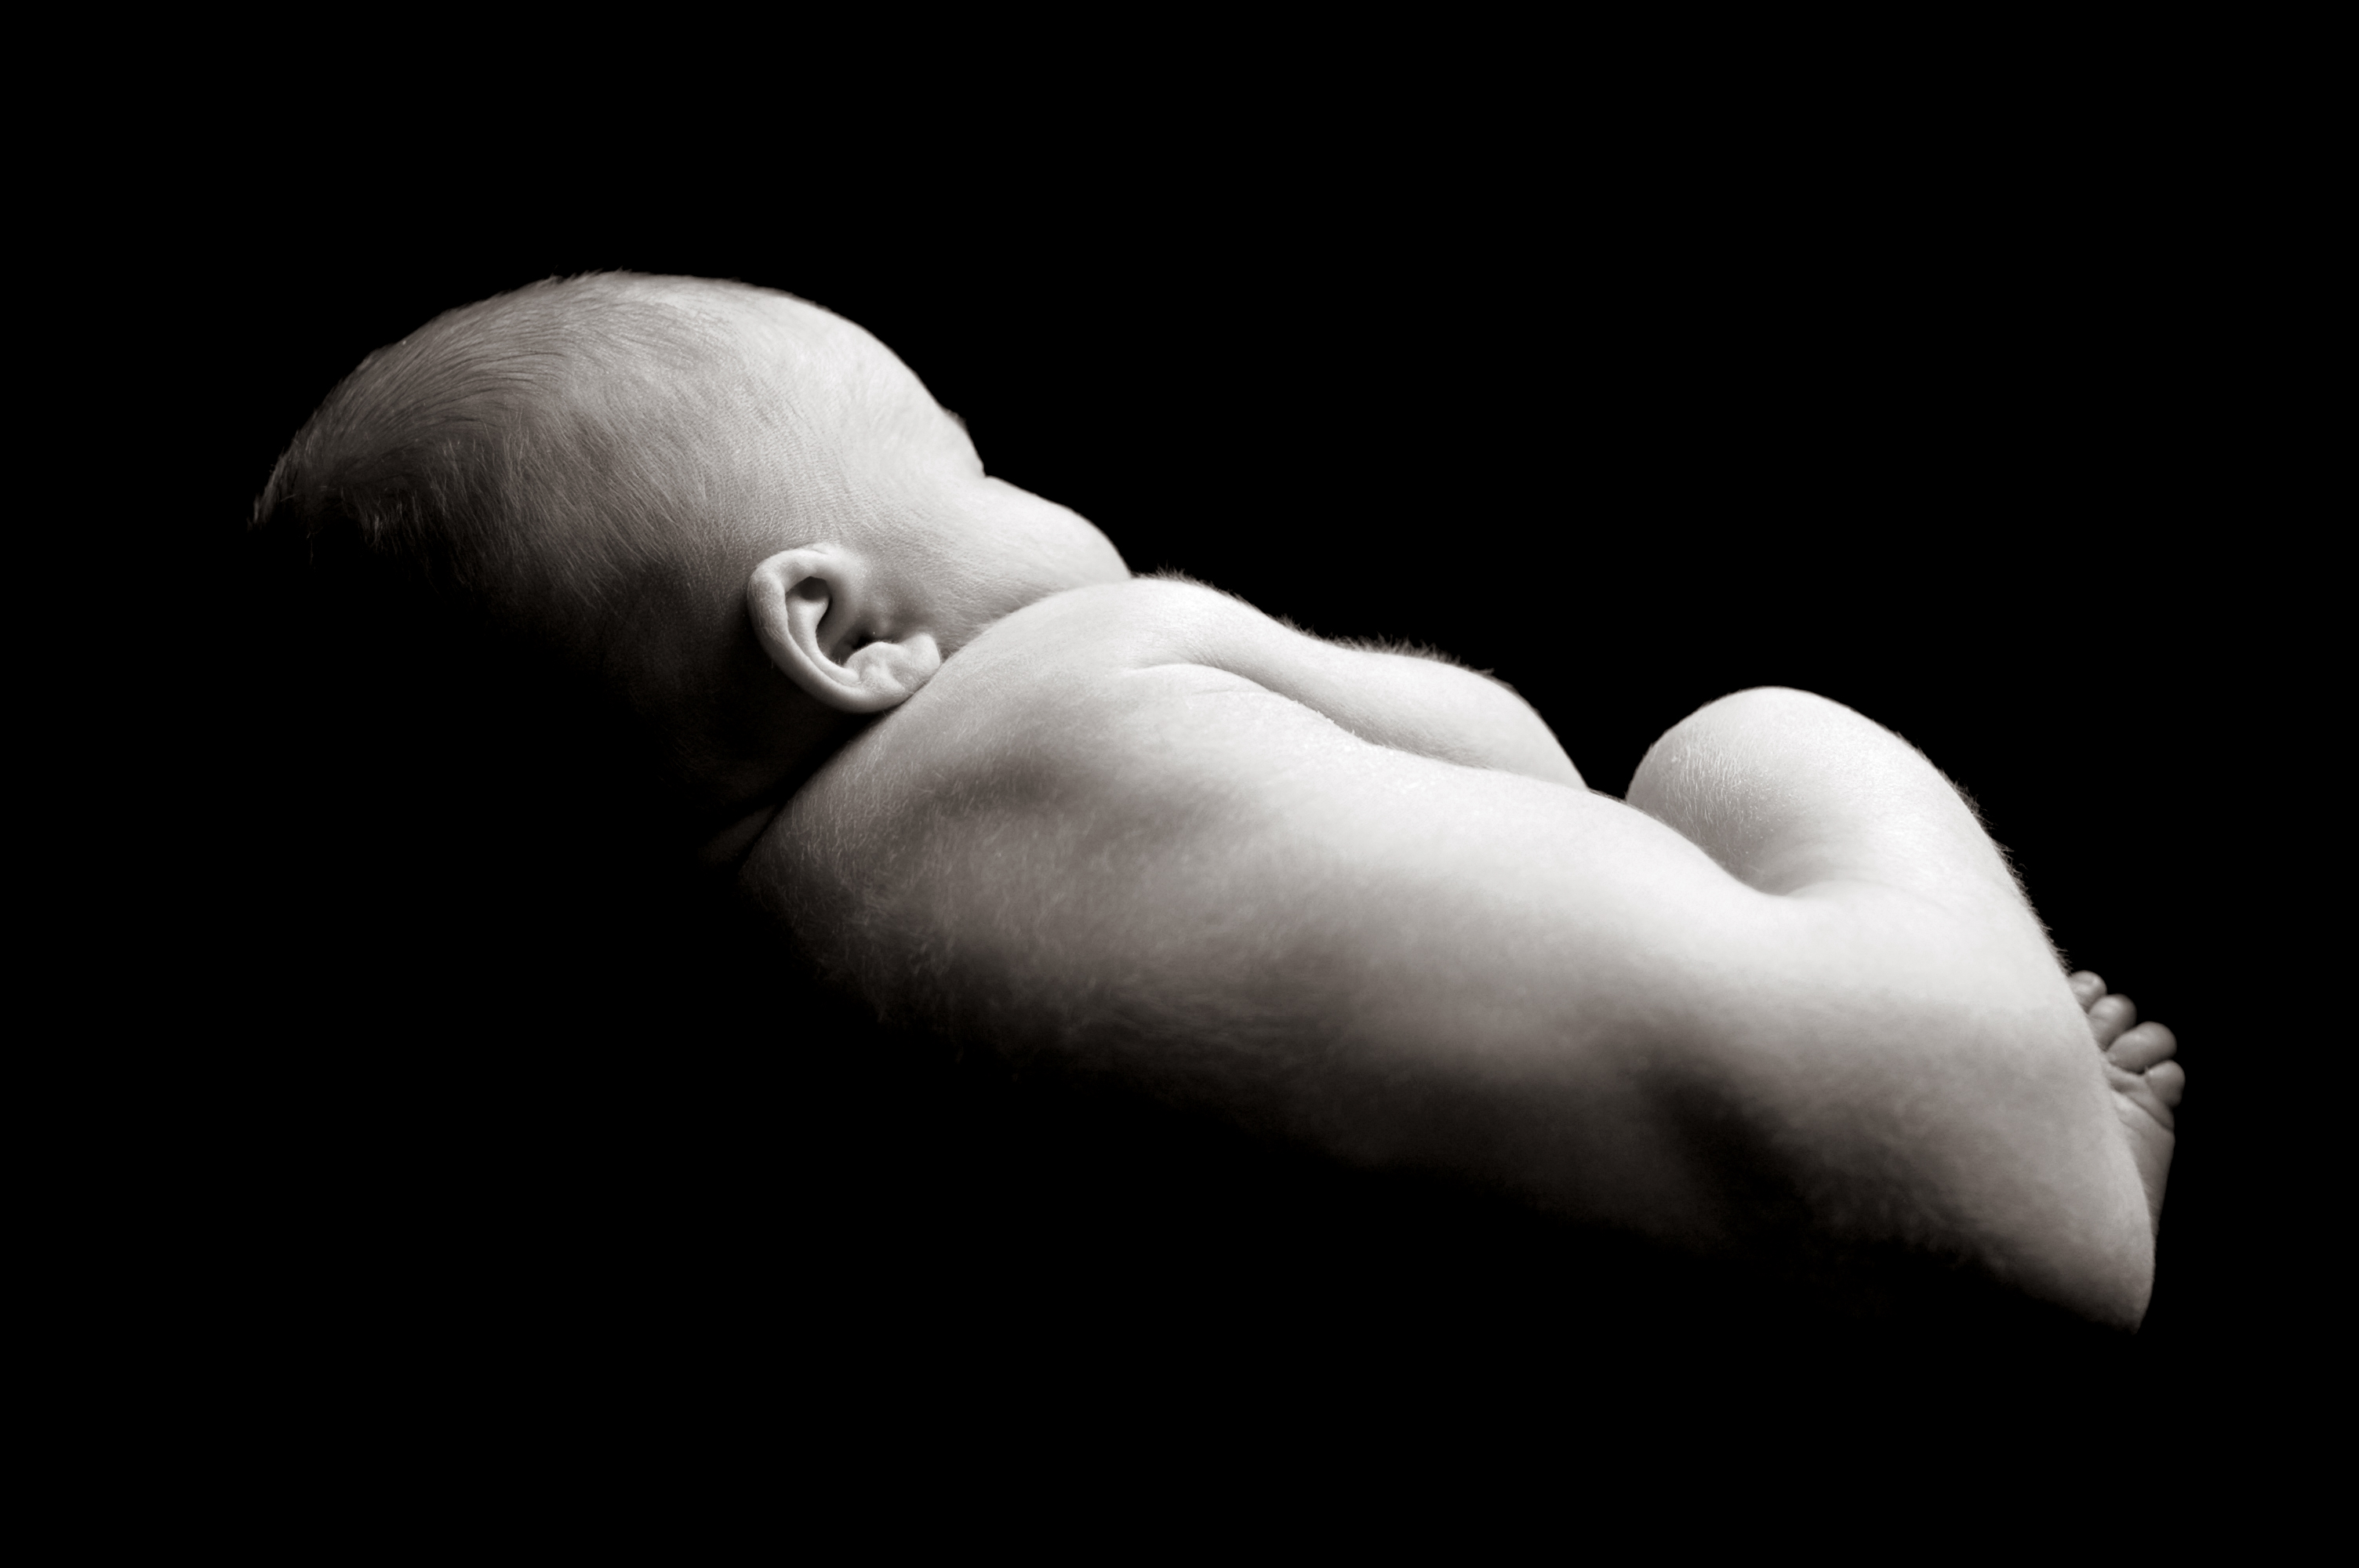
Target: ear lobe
[{"x": 814, "y": 611}]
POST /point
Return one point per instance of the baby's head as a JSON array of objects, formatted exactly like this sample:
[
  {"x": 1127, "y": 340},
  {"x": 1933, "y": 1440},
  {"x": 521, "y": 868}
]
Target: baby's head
[{"x": 740, "y": 515}]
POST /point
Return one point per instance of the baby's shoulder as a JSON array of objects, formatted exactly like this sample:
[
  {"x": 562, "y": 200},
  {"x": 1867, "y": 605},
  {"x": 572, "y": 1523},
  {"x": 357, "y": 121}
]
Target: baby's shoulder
[
  {"x": 1059, "y": 671},
  {"x": 1160, "y": 692},
  {"x": 1067, "y": 672},
  {"x": 1072, "y": 686},
  {"x": 1087, "y": 705},
  {"x": 1127, "y": 662},
  {"x": 1146, "y": 621}
]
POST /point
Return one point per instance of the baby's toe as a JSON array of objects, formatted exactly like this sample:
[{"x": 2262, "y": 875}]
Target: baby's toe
[
  {"x": 2109, "y": 1016},
  {"x": 2169, "y": 1082},
  {"x": 2087, "y": 988},
  {"x": 2137, "y": 1049}
]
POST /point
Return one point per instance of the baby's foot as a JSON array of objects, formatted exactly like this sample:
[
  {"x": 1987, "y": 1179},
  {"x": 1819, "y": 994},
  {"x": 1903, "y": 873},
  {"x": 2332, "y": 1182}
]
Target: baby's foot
[{"x": 2146, "y": 1082}]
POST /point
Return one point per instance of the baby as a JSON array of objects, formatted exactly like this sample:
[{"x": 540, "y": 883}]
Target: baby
[{"x": 1786, "y": 995}]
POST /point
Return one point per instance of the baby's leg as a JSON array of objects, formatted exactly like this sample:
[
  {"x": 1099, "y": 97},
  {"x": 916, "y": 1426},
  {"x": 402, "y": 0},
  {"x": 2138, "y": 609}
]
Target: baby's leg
[{"x": 2146, "y": 1082}]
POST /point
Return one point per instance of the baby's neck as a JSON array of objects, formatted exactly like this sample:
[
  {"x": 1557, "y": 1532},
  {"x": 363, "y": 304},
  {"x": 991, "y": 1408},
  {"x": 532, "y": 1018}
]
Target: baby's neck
[
  {"x": 725, "y": 848},
  {"x": 730, "y": 805}
]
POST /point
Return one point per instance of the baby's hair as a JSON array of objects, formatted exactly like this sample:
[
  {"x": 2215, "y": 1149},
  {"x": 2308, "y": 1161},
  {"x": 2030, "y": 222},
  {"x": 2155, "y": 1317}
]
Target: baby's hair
[{"x": 531, "y": 454}]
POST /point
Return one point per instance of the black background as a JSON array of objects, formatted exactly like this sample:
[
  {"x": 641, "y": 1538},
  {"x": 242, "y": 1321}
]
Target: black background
[{"x": 1954, "y": 434}]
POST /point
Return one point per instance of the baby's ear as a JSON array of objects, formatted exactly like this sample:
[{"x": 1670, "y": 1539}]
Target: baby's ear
[{"x": 821, "y": 620}]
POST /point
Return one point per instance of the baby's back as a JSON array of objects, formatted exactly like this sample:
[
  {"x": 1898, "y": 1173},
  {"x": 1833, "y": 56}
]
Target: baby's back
[
  {"x": 1354, "y": 897},
  {"x": 1085, "y": 680},
  {"x": 1357, "y": 899},
  {"x": 1072, "y": 732},
  {"x": 1360, "y": 901}
]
